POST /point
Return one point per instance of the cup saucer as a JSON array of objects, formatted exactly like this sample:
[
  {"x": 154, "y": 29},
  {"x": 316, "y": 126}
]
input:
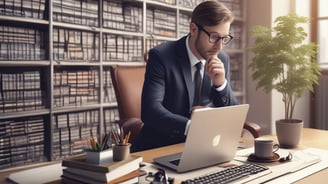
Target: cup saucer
[{"x": 253, "y": 158}]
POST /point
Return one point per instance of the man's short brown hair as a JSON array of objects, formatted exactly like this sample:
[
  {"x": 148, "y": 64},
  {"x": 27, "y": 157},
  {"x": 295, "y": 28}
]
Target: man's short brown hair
[{"x": 211, "y": 13}]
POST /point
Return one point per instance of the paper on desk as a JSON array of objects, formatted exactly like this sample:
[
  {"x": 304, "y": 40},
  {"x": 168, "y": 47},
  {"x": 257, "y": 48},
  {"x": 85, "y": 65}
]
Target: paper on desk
[
  {"x": 304, "y": 163},
  {"x": 295, "y": 176},
  {"x": 44, "y": 174}
]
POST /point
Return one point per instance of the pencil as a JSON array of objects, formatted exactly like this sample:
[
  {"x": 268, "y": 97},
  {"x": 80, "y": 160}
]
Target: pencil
[{"x": 127, "y": 137}]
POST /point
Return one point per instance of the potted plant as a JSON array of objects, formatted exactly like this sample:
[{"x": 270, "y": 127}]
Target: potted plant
[{"x": 283, "y": 62}]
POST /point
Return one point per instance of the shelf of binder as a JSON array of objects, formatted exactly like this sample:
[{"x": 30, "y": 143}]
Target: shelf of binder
[
  {"x": 22, "y": 44},
  {"x": 108, "y": 89},
  {"x": 122, "y": 48},
  {"x": 123, "y": 15},
  {"x": 24, "y": 9},
  {"x": 75, "y": 87},
  {"x": 110, "y": 116},
  {"x": 236, "y": 6},
  {"x": 167, "y": 3},
  {"x": 71, "y": 129},
  {"x": 187, "y": 4},
  {"x": 22, "y": 141},
  {"x": 22, "y": 90},
  {"x": 75, "y": 45},
  {"x": 161, "y": 22},
  {"x": 76, "y": 12},
  {"x": 184, "y": 20}
]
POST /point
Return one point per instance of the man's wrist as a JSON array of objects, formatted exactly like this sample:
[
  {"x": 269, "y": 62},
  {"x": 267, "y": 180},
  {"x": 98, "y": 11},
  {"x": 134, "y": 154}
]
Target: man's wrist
[{"x": 221, "y": 88}]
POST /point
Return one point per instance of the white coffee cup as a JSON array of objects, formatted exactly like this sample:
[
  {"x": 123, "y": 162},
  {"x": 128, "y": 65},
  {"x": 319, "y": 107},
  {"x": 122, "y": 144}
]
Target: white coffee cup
[{"x": 264, "y": 148}]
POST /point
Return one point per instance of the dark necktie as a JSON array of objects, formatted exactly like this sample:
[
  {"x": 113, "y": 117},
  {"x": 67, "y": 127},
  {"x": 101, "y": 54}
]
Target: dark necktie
[{"x": 197, "y": 84}]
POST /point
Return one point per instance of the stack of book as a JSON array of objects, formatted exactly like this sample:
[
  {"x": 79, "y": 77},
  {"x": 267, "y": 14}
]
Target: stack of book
[{"x": 77, "y": 171}]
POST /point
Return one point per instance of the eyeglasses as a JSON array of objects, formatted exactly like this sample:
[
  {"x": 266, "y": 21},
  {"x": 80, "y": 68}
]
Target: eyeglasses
[{"x": 214, "y": 37}]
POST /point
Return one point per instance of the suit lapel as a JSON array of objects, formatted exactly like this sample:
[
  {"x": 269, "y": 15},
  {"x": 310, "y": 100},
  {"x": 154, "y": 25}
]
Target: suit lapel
[{"x": 184, "y": 63}]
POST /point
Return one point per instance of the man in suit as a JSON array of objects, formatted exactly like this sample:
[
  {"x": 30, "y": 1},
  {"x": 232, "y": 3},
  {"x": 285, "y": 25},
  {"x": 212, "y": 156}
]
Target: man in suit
[{"x": 168, "y": 96}]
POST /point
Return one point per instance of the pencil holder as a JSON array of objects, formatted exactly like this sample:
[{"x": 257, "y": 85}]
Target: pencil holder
[
  {"x": 99, "y": 157},
  {"x": 121, "y": 151}
]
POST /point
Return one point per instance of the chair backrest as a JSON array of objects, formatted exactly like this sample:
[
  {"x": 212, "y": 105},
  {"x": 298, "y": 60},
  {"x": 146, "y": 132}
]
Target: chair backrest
[{"x": 127, "y": 83}]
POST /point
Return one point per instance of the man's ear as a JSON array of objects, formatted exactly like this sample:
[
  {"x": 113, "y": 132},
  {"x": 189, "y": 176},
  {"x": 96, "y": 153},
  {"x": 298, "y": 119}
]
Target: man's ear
[{"x": 193, "y": 29}]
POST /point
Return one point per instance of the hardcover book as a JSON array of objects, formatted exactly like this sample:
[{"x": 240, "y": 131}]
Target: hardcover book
[
  {"x": 71, "y": 177},
  {"x": 79, "y": 162}
]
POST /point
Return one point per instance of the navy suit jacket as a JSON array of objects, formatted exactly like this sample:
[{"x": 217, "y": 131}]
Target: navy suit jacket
[{"x": 168, "y": 92}]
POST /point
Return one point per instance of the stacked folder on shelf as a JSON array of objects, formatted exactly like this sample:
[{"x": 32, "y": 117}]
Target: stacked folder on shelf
[{"x": 77, "y": 170}]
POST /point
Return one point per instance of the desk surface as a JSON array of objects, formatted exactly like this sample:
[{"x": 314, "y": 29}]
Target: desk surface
[
  {"x": 310, "y": 138},
  {"x": 317, "y": 139}
]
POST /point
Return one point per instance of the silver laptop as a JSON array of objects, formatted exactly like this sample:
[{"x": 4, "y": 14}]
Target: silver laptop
[{"x": 213, "y": 138}]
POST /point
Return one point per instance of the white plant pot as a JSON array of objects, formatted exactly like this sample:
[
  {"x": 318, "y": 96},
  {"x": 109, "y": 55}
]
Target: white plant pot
[{"x": 289, "y": 132}]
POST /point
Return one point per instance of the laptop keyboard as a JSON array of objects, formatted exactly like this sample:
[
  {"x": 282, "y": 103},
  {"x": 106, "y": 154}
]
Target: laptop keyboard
[{"x": 228, "y": 175}]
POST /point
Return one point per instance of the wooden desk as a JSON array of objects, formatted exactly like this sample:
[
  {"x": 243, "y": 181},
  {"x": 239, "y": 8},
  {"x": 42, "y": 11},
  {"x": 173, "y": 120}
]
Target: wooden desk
[
  {"x": 317, "y": 139},
  {"x": 310, "y": 138}
]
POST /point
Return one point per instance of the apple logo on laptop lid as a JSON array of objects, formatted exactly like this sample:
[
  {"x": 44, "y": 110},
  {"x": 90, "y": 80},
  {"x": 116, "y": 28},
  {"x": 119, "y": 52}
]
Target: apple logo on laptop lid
[{"x": 216, "y": 140}]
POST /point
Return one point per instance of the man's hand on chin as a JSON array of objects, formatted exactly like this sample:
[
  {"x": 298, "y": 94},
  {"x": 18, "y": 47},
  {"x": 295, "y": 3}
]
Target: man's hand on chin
[{"x": 215, "y": 70}]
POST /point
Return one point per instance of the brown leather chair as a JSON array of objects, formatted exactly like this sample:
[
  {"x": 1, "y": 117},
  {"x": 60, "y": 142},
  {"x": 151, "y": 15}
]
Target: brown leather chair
[{"x": 128, "y": 82}]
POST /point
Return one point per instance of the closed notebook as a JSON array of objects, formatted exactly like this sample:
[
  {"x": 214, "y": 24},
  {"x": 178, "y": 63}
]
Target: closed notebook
[
  {"x": 79, "y": 162},
  {"x": 71, "y": 177}
]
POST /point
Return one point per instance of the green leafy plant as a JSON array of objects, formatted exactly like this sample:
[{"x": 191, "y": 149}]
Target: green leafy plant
[{"x": 282, "y": 61}]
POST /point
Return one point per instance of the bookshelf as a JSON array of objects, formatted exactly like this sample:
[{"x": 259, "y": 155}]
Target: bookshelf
[{"x": 55, "y": 86}]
